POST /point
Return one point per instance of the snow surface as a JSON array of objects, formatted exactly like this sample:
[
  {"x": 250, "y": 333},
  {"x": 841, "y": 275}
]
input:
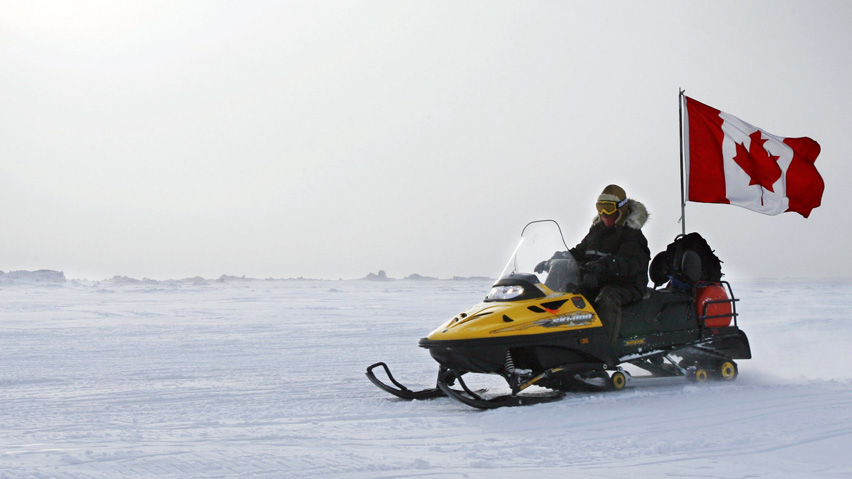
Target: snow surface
[{"x": 265, "y": 379}]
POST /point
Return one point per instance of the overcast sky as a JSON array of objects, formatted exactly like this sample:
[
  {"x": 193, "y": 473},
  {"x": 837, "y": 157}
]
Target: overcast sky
[{"x": 330, "y": 139}]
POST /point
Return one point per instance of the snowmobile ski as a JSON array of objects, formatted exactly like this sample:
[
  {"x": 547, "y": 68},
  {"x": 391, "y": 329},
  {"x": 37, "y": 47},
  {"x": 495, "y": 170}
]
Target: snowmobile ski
[
  {"x": 475, "y": 399},
  {"x": 399, "y": 390}
]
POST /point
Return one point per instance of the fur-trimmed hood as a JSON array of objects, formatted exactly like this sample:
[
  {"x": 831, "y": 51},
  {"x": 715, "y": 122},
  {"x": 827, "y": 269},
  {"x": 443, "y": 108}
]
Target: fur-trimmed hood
[{"x": 637, "y": 215}]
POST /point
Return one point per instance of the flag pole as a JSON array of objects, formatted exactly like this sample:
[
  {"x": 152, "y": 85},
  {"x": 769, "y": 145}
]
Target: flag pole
[{"x": 682, "y": 188}]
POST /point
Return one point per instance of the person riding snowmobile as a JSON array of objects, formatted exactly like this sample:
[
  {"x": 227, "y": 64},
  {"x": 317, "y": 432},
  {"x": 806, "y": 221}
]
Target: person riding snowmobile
[{"x": 613, "y": 258}]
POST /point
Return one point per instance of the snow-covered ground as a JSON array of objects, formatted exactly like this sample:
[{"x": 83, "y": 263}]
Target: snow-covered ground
[{"x": 265, "y": 379}]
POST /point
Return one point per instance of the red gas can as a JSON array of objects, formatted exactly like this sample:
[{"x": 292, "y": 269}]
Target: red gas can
[{"x": 714, "y": 292}]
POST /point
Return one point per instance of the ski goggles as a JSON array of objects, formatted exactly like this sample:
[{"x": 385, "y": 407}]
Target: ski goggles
[{"x": 609, "y": 208}]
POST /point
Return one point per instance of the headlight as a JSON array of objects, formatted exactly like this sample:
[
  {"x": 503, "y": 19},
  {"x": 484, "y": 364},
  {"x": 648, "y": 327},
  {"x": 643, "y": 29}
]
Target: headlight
[{"x": 505, "y": 293}]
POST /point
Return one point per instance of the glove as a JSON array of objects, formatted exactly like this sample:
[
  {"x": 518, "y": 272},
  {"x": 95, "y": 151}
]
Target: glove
[
  {"x": 542, "y": 267},
  {"x": 561, "y": 255},
  {"x": 601, "y": 267}
]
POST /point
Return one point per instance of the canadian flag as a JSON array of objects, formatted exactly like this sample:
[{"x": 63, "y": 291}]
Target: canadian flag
[{"x": 730, "y": 161}]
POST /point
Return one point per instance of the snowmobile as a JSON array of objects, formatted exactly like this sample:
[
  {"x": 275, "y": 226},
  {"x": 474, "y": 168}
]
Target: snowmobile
[{"x": 534, "y": 333}]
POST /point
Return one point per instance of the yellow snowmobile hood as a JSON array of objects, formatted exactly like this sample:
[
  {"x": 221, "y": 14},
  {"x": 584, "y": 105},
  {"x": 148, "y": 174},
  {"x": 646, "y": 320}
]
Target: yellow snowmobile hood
[{"x": 556, "y": 312}]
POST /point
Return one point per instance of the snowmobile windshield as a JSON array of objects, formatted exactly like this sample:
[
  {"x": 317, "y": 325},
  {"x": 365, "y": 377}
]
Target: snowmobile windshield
[{"x": 540, "y": 240}]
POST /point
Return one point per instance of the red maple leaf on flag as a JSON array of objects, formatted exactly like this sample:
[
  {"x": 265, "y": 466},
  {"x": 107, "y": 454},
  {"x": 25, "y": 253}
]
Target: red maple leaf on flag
[{"x": 758, "y": 163}]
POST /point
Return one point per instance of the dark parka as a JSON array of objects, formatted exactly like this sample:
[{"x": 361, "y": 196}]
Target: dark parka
[{"x": 621, "y": 251}]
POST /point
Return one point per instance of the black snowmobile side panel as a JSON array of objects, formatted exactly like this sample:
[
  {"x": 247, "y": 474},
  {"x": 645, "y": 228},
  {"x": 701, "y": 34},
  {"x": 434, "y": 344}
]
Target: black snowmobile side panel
[
  {"x": 663, "y": 311},
  {"x": 730, "y": 342},
  {"x": 537, "y": 351}
]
